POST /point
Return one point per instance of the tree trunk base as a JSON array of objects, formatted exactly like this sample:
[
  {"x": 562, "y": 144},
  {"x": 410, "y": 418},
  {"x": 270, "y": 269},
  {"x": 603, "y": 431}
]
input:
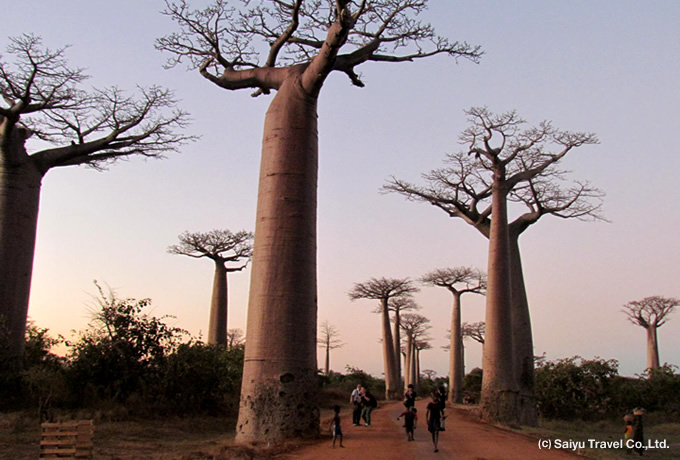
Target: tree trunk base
[
  {"x": 279, "y": 409},
  {"x": 501, "y": 407}
]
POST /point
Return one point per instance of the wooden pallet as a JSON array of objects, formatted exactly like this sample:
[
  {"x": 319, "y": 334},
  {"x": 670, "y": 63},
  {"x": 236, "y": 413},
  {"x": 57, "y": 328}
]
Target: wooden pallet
[{"x": 67, "y": 439}]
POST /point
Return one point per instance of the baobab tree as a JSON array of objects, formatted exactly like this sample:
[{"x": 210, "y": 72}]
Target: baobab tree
[
  {"x": 415, "y": 326},
  {"x": 475, "y": 331},
  {"x": 222, "y": 247},
  {"x": 505, "y": 164},
  {"x": 44, "y": 98},
  {"x": 458, "y": 281},
  {"x": 235, "y": 338},
  {"x": 398, "y": 305},
  {"x": 306, "y": 41},
  {"x": 651, "y": 313},
  {"x": 329, "y": 341},
  {"x": 384, "y": 290}
]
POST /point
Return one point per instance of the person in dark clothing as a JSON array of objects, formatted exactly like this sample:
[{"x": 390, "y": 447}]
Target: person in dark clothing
[
  {"x": 410, "y": 397},
  {"x": 410, "y": 421},
  {"x": 638, "y": 435},
  {"x": 369, "y": 403},
  {"x": 434, "y": 419}
]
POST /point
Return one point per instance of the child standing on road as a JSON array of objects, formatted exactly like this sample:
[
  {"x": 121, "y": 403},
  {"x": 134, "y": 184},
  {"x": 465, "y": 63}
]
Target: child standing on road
[
  {"x": 410, "y": 421},
  {"x": 336, "y": 430}
]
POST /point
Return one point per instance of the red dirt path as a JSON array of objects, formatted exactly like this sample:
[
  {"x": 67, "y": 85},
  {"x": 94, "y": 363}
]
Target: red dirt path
[{"x": 465, "y": 439}]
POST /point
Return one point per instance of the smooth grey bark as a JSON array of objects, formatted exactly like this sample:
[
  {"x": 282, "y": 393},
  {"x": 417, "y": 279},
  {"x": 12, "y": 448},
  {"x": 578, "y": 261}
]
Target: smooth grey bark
[
  {"x": 219, "y": 307},
  {"x": 456, "y": 366},
  {"x": 20, "y": 183},
  {"x": 652, "y": 348},
  {"x": 500, "y": 392},
  {"x": 279, "y": 391}
]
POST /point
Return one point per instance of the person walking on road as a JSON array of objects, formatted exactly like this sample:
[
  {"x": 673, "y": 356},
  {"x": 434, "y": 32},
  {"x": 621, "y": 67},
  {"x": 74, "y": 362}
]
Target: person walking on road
[{"x": 434, "y": 418}]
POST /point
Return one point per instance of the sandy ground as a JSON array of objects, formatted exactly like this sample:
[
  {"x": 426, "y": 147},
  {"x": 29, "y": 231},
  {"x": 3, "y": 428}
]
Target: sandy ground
[{"x": 464, "y": 439}]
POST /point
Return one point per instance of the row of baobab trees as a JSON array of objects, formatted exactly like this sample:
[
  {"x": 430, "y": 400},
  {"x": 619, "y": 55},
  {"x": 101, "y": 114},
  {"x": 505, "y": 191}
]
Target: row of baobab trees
[
  {"x": 290, "y": 48},
  {"x": 395, "y": 297}
]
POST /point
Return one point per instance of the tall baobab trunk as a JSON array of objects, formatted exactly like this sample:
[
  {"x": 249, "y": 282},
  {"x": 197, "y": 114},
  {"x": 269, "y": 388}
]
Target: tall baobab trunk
[
  {"x": 20, "y": 182},
  {"x": 652, "y": 348},
  {"x": 391, "y": 378},
  {"x": 217, "y": 329},
  {"x": 522, "y": 337},
  {"x": 456, "y": 353},
  {"x": 279, "y": 390},
  {"x": 397, "y": 350},
  {"x": 499, "y": 402},
  {"x": 327, "y": 366}
]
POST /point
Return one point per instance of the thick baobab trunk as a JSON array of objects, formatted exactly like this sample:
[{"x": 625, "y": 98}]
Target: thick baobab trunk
[
  {"x": 456, "y": 353},
  {"x": 391, "y": 391},
  {"x": 499, "y": 401},
  {"x": 217, "y": 329},
  {"x": 20, "y": 183},
  {"x": 652, "y": 348},
  {"x": 410, "y": 362},
  {"x": 522, "y": 337},
  {"x": 279, "y": 389},
  {"x": 397, "y": 349}
]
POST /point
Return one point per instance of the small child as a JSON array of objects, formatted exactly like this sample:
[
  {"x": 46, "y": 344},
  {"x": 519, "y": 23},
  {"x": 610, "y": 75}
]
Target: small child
[
  {"x": 336, "y": 430},
  {"x": 410, "y": 421}
]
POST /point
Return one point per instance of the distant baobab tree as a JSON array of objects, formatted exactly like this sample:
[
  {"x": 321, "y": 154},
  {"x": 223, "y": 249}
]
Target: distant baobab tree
[
  {"x": 458, "y": 281},
  {"x": 475, "y": 331},
  {"x": 384, "y": 290},
  {"x": 222, "y": 247},
  {"x": 397, "y": 305},
  {"x": 305, "y": 41},
  {"x": 235, "y": 338},
  {"x": 415, "y": 327},
  {"x": 44, "y": 98},
  {"x": 651, "y": 313},
  {"x": 328, "y": 339},
  {"x": 507, "y": 164}
]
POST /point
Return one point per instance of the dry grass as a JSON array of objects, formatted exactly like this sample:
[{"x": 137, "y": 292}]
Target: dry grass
[{"x": 190, "y": 438}]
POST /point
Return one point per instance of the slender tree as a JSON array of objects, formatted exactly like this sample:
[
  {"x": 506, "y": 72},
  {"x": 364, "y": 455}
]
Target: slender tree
[
  {"x": 415, "y": 326},
  {"x": 396, "y": 306},
  {"x": 384, "y": 289},
  {"x": 306, "y": 41},
  {"x": 651, "y": 313},
  {"x": 505, "y": 164},
  {"x": 222, "y": 247},
  {"x": 458, "y": 281},
  {"x": 329, "y": 341},
  {"x": 43, "y": 98}
]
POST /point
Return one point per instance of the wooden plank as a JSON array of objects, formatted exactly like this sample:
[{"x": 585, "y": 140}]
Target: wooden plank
[{"x": 71, "y": 439}]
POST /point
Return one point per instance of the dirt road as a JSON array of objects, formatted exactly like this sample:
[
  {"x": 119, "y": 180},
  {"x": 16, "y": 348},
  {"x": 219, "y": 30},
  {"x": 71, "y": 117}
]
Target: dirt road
[{"x": 464, "y": 439}]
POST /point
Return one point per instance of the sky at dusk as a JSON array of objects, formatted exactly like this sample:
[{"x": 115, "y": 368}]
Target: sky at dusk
[{"x": 608, "y": 67}]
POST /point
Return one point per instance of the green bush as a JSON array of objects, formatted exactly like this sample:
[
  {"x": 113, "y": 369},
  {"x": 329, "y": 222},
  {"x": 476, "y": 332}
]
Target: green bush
[
  {"x": 200, "y": 378},
  {"x": 574, "y": 387},
  {"x": 122, "y": 353}
]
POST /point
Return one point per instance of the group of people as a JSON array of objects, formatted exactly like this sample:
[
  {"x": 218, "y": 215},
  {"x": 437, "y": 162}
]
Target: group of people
[
  {"x": 364, "y": 402},
  {"x": 434, "y": 416}
]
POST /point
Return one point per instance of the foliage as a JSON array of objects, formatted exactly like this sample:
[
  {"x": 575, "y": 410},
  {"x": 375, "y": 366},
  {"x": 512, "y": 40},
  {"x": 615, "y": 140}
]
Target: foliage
[
  {"x": 472, "y": 386},
  {"x": 575, "y": 387},
  {"x": 201, "y": 378},
  {"x": 347, "y": 382},
  {"x": 122, "y": 353}
]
